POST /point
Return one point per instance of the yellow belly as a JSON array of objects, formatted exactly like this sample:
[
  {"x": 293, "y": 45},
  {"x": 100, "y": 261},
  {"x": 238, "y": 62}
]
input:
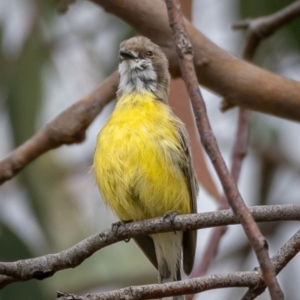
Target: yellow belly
[{"x": 137, "y": 160}]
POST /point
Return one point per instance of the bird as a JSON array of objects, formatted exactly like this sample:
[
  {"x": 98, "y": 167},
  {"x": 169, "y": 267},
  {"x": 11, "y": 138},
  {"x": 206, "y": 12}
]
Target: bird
[{"x": 142, "y": 160}]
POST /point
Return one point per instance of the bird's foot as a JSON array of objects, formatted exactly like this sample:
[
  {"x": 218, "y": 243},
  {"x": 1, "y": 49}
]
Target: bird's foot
[
  {"x": 115, "y": 228},
  {"x": 170, "y": 216}
]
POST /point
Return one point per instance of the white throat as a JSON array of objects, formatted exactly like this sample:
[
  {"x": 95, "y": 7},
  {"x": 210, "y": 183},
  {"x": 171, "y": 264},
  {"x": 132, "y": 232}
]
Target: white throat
[{"x": 137, "y": 75}]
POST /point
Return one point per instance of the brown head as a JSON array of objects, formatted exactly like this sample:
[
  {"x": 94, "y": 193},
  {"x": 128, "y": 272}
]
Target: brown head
[{"x": 143, "y": 67}]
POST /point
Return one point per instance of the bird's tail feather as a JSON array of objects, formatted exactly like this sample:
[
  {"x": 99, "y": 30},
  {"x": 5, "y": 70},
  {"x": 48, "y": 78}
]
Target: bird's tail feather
[
  {"x": 168, "y": 252},
  {"x": 165, "y": 276}
]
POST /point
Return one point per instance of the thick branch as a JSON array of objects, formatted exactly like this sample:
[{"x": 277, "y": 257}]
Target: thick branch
[
  {"x": 67, "y": 128},
  {"x": 45, "y": 266},
  {"x": 239, "y": 82}
]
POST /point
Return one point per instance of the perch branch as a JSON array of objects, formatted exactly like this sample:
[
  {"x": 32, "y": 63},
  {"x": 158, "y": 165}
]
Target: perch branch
[{"x": 45, "y": 266}]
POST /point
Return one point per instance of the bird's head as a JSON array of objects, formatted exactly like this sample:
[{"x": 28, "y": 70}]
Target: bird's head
[{"x": 143, "y": 67}]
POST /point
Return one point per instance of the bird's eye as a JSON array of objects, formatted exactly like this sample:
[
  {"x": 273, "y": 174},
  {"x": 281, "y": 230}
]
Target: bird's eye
[{"x": 150, "y": 53}]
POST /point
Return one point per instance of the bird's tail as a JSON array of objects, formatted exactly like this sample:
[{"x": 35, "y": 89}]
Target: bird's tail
[
  {"x": 165, "y": 276},
  {"x": 168, "y": 253}
]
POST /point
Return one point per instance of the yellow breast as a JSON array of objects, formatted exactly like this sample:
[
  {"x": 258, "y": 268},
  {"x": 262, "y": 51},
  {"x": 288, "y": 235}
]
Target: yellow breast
[{"x": 137, "y": 160}]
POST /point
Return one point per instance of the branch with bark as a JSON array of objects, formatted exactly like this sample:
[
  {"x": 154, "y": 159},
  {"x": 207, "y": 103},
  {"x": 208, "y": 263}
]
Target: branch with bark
[
  {"x": 197, "y": 285},
  {"x": 258, "y": 30},
  {"x": 46, "y": 266},
  {"x": 255, "y": 237},
  {"x": 67, "y": 128}
]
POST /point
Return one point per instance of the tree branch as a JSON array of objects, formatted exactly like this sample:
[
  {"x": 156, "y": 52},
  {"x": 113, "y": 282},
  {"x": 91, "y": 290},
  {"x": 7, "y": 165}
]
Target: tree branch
[
  {"x": 46, "y": 266},
  {"x": 279, "y": 260},
  {"x": 255, "y": 237},
  {"x": 156, "y": 291},
  {"x": 239, "y": 82},
  {"x": 67, "y": 128},
  {"x": 240, "y": 143},
  {"x": 261, "y": 28},
  {"x": 258, "y": 30},
  {"x": 196, "y": 285}
]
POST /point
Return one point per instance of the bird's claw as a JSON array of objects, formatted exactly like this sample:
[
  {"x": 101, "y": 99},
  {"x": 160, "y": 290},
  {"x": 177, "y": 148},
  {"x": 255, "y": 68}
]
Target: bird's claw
[
  {"x": 170, "y": 216},
  {"x": 115, "y": 228}
]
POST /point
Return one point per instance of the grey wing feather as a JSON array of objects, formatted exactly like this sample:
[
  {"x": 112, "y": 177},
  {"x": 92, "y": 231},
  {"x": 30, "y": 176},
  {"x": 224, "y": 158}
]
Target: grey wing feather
[
  {"x": 189, "y": 237},
  {"x": 147, "y": 246}
]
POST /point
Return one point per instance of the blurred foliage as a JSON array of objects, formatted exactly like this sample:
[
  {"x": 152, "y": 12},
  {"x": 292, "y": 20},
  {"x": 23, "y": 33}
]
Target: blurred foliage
[{"x": 13, "y": 248}]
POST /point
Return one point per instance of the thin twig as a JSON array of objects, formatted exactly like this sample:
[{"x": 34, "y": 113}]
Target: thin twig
[
  {"x": 196, "y": 285},
  {"x": 258, "y": 30},
  {"x": 239, "y": 152},
  {"x": 69, "y": 127},
  {"x": 263, "y": 27},
  {"x": 256, "y": 239},
  {"x": 45, "y": 266}
]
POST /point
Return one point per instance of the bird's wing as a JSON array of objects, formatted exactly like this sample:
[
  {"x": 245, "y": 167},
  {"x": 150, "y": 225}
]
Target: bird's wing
[
  {"x": 189, "y": 237},
  {"x": 147, "y": 246}
]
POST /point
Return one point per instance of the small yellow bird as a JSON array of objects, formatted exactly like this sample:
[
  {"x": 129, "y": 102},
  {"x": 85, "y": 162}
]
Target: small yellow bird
[{"x": 142, "y": 160}]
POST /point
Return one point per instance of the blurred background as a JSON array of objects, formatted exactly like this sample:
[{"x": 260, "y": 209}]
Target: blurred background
[{"x": 49, "y": 61}]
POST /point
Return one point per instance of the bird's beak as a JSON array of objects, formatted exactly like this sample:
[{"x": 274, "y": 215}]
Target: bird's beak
[{"x": 127, "y": 55}]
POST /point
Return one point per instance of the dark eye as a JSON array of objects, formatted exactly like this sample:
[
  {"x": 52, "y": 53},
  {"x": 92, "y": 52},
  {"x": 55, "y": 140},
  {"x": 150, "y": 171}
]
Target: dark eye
[{"x": 150, "y": 53}]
